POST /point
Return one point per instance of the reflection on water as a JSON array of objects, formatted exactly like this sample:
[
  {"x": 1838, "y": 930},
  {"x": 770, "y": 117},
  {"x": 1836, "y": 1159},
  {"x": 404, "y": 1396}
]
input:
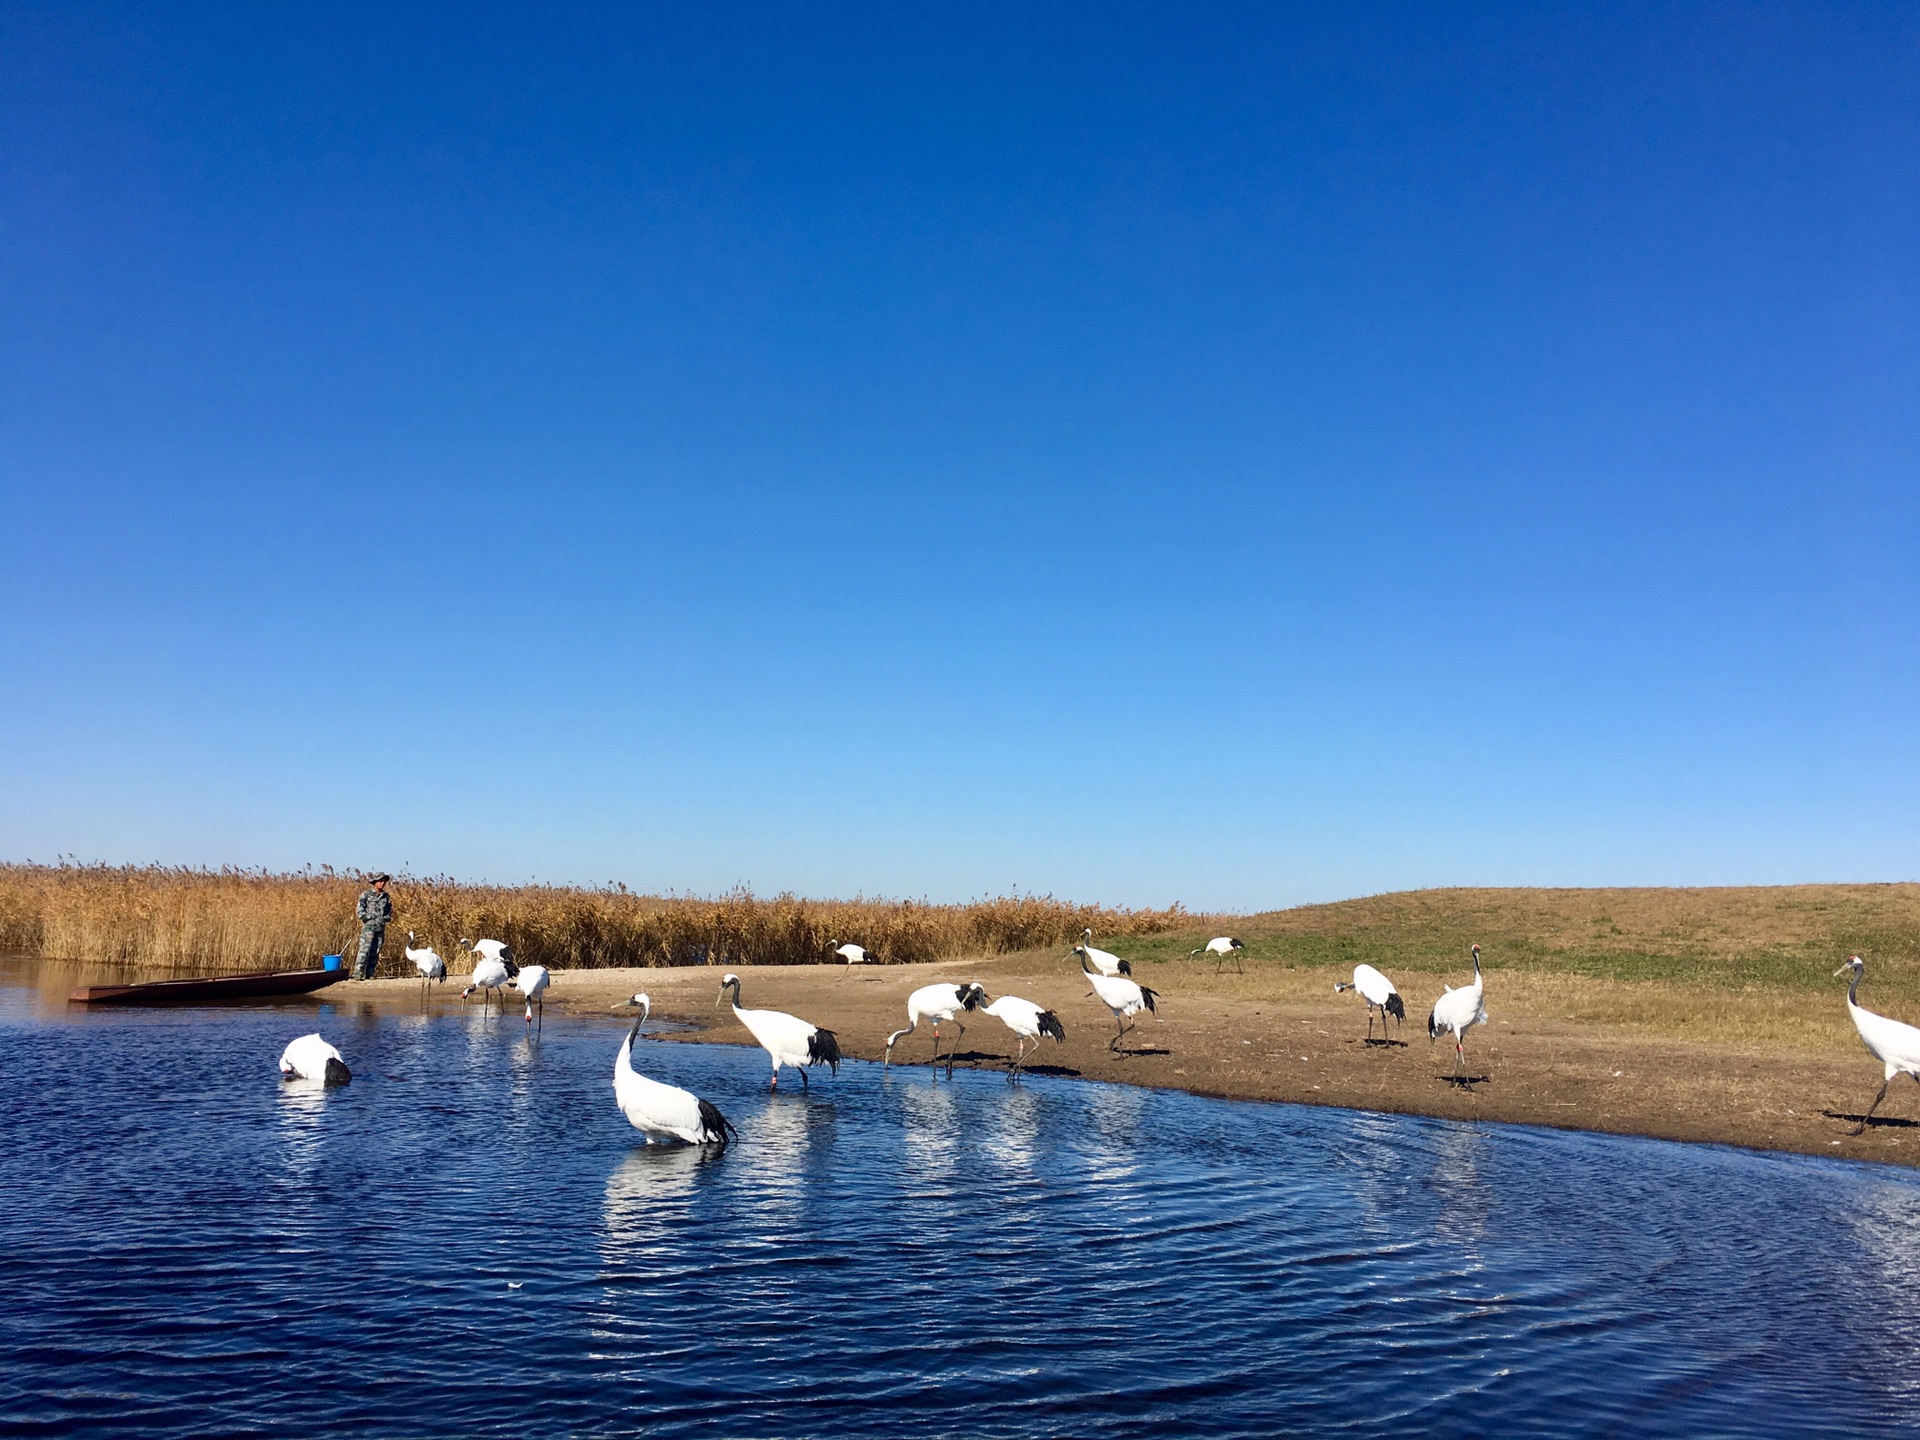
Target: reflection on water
[{"x": 189, "y": 1241}]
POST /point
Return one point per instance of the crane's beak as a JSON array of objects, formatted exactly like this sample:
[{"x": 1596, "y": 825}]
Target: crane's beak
[{"x": 1843, "y": 970}]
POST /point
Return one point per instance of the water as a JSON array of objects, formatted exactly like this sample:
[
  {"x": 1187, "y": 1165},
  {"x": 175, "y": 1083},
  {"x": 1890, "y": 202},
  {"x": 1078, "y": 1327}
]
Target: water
[{"x": 188, "y": 1247}]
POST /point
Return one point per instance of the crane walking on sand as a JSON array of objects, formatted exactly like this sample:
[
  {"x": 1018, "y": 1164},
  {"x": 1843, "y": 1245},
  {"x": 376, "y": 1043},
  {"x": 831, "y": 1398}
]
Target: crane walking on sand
[
  {"x": 1027, "y": 1021},
  {"x": 311, "y": 1058},
  {"x": 853, "y": 954},
  {"x": 1379, "y": 994},
  {"x": 1124, "y": 997},
  {"x": 788, "y": 1039},
  {"x": 1221, "y": 947},
  {"x": 431, "y": 967},
  {"x": 489, "y": 976},
  {"x": 1459, "y": 1011},
  {"x": 532, "y": 982},
  {"x": 1103, "y": 961},
  {"x": 937, "y": 1003},
  {"x": 661, "y": 1112},
  {"x": 1894, "y": 1044}
]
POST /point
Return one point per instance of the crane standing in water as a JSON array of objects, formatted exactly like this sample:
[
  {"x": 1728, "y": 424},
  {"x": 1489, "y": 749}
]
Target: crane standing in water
[
  {"x": 787, "y": 1039},
  {"x": 657, "y": 1110}
]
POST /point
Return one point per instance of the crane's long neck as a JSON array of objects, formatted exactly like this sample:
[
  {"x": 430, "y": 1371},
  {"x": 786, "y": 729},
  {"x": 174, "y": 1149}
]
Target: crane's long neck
[
  {"x": 1853, "y": 989},
  {"x": 1477, "y": 982},
  {"x": 623, "y": 1063}
]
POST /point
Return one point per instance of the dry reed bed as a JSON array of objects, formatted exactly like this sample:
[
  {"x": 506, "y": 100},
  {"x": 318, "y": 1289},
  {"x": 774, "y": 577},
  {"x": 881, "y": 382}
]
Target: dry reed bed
[{"x": 221, "y": 922}]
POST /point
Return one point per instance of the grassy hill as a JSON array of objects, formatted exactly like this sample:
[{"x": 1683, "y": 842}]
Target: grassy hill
[{"x": 1786, "y": 937}]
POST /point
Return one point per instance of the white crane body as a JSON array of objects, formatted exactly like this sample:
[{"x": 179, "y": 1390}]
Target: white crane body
[
  {"x": 787, "y": 1039},
  {"x": 1222, "y": 948},
  {"x": 1894, "y": 1043},
  {"x": 489, "y": 976},
  {"x": 1459, "y": 1011},
  {"x": 1028, "y": 1022},
  {"x": 662, "y": 1112},
  {"x": 1103, "y": 961},
  {"x": 944, "y": 1001},
  {"x": 492, "y": 950},
  {"x": 1377, "y": 990},
  {"x": 532, "y": 982},
  {"x": 852, "y": 954},
  {"x": 1122, "y": 995},
  {"x": 311, "y": 1058},
  {"x": 430, "y": 965}
]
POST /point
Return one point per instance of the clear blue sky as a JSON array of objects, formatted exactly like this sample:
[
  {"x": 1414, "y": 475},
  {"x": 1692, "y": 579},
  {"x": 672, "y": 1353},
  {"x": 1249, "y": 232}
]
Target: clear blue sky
[{"x": 1238, "y": 455}]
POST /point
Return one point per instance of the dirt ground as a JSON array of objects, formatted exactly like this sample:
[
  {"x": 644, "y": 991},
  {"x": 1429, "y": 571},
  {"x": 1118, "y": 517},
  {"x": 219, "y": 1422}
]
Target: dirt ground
[{"x": 1560, "y": 1052}]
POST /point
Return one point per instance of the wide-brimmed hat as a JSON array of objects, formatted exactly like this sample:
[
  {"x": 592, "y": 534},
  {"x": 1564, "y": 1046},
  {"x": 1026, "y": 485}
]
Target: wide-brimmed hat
[{"x": 378, "y": 878}]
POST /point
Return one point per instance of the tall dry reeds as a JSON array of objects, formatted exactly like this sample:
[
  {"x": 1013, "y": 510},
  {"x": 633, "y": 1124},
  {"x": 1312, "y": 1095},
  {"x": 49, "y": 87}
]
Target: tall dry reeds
[{"x": 220, "y": 922}]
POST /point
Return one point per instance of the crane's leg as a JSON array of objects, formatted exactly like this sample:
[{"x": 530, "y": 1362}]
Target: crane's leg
[
  {"x": 1864, "y": 1119},
  {"x": 805, "y": 1085},
  {"x": 1369, "y": 1024},
  {"x": 543, "y": 1012},
  {"x": 776, "y": 1076}
]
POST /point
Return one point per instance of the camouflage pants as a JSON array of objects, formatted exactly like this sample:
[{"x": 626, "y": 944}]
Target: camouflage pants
[{"x": 367, "y": 958}]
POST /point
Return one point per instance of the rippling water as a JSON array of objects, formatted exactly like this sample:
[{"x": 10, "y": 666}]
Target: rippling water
[{"x": 189, "y": 1247}]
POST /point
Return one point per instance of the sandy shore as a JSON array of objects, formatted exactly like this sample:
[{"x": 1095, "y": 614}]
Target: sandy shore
[{"x": 1283, "y": 1035}]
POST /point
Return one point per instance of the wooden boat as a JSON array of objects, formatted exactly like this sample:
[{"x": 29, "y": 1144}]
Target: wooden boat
[{"x": 262, "y": 984}]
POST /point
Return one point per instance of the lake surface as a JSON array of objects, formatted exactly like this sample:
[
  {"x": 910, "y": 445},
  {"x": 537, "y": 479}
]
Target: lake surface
[{"x": 190, "y": 1247}]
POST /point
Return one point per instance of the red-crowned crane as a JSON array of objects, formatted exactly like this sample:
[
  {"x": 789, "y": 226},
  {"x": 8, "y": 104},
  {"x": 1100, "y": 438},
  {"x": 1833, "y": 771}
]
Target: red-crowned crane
[
  {"x": 1894, "y": 1044},
  {"x": 430, "y": 965},
  {"x": 1222, "y": 947},
  {"x": 658, "y": 1111},
  {"x": 489, "y": 976},
  {"x": 937, "y": 1003},
  {"x": 1459, "y": 1011},
  {"x": 787, "y": 1038},
  {"x": 492, "y": 950},
  {"x": 1124, "y": 997},
  {"x": 311, "y": 1058},
  {"x": 1379, "y": 994},
  {"x": 1027, "y": 1021},
  {"x": 532, "y": 982},
  {"x": 1103, "y": 961}
]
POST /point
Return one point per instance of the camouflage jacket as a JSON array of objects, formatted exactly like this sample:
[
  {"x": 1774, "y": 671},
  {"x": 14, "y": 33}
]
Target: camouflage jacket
[{"x": 375, "y": 909}]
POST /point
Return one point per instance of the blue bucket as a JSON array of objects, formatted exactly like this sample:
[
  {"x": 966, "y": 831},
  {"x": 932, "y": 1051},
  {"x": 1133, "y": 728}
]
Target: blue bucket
[{"x": 329, "y": 962}]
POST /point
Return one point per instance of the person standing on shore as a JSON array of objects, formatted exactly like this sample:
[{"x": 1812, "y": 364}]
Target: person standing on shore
[{"x": 375, "y": 910}]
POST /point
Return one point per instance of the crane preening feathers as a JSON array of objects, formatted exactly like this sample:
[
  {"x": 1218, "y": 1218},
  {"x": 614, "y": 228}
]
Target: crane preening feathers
[
  {"x": 1894, "y": 1044},
  {"x": 1378, "y": 992},
  {"x": 311, "y": 1058},
  {"x": 1459, "y": 1011},
  {"x": 662, "y": 1112},
  {"x": 788, "y": 1039}
]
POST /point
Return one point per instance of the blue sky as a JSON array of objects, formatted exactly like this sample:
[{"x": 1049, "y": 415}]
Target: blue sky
[{"x": 1237, "y": 455}]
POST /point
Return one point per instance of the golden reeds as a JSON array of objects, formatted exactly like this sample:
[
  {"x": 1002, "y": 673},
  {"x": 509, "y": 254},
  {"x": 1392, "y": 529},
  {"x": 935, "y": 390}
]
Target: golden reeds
[{"x": 220, "y": 922}]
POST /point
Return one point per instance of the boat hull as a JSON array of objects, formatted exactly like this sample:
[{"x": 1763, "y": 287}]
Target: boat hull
[{"x": 261, "y": 985}]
